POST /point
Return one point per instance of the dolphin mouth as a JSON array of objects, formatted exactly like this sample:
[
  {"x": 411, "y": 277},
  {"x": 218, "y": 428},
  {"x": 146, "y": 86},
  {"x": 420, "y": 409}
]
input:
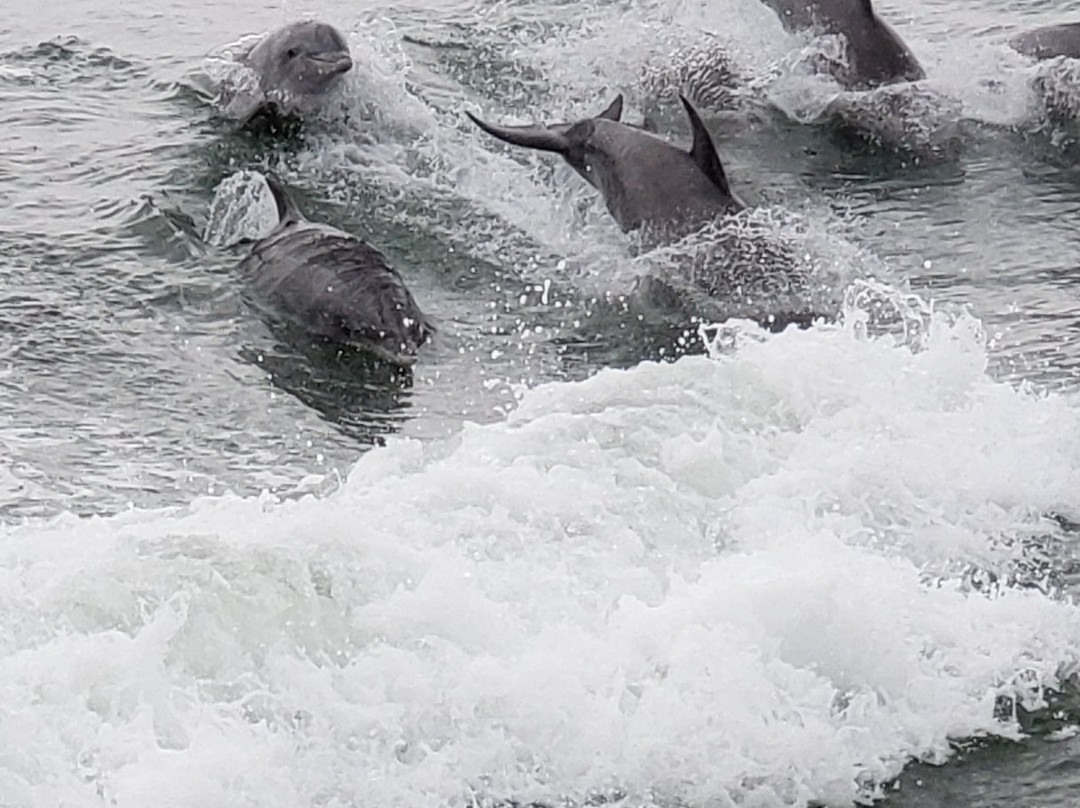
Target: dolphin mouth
[{"x": 334, "y": 63}]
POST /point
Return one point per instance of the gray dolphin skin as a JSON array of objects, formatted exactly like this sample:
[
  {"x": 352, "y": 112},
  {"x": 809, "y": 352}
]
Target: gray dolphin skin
[
  {"x": 334, "y": 285},
  {"x": 646, "y": 182},
  {"x": 669, "y": 192},
  {"x": 1049, "y": 41},
  {"x": 875, "y": 53},
  {"x": 295, "y": 66}
]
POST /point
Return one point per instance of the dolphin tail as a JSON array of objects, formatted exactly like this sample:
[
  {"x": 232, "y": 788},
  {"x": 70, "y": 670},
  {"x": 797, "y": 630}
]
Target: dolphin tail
[
  {"x": 287, "y": 209},
  {"x": 703, "y": 152},
  {"x": 531, "y": 137},
  {"x": 545, "y": 138}
]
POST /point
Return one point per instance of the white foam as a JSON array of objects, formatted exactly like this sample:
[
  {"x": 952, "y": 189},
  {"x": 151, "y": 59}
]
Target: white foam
[
  {"x": 243, "y": 207},
  {"x": 716, "y": 581}
]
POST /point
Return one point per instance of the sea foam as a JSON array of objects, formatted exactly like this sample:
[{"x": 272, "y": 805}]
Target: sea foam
[{"x": 737, "y": 579}]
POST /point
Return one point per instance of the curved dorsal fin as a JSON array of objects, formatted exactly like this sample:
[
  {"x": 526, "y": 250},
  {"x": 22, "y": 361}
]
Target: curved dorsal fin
[
  {"x": 287, "y": 210},
  {"x": 703, "y": 151},
  {"x": 867, "y": 7},
  {"x": 614, "y": 110}
]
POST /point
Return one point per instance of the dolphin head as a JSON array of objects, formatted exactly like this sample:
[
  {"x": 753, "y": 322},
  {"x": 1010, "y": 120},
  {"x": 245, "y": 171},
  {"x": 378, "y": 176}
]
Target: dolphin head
[
  {"x": 875, "y": 53},
  {"x": 301, "y": 59}
]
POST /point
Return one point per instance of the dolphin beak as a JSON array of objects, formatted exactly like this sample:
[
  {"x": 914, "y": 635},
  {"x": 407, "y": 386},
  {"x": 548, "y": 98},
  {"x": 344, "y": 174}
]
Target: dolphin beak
[{"x": 333, "y": 63}]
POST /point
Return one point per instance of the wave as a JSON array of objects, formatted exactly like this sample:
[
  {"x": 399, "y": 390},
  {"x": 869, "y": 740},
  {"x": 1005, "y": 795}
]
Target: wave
[{"x": 743, "y": 578}]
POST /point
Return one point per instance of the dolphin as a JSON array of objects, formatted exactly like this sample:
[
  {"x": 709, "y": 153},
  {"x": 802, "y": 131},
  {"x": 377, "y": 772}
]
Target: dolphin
[
  {"x": 289, "y": 71},
  {"x": 668, "y": 192},
  {"x": 645, "y": 181},
  {"x": 334, "y": 285},
  {"x": 1049, "y": 41},
  {"x": 875, "y": 53}
]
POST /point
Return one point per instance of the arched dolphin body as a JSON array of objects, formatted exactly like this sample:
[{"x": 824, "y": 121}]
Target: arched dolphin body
[
  {"x": 289, "y": 72},
  {"x": 875, "y": 54},
  {"x": 646, "y": 182},
  {"x": 1049, "y": 41},
  {"x": 334, "y": 285},
  {"x": 668, "y": 192}
]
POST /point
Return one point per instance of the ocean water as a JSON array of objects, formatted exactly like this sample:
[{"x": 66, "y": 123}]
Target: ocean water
[{"x": 579, "y": 555}]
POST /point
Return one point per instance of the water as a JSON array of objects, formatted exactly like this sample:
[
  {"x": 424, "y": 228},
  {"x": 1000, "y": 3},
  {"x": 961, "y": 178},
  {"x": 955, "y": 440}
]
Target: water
[{"x": 561, "y": 561}]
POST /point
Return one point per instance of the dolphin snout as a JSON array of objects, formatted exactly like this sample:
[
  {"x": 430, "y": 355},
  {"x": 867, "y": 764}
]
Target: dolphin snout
[{"x": 333, "y": 63}]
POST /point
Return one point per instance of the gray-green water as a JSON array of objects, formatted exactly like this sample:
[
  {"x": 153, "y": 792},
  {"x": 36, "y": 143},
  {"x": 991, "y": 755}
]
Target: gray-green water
[{"x": 200, "y": 655}]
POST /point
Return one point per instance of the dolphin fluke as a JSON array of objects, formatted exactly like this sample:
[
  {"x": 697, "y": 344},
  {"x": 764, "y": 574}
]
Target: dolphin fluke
[
  {"x": 703, "y": 152},
  {"x": 551, "y": 138},
  {"x": 531, "y": 137}
]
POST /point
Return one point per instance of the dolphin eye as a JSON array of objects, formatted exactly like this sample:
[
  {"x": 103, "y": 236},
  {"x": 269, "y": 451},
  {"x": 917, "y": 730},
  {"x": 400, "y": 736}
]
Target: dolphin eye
[{"x": 292, "y": 53}]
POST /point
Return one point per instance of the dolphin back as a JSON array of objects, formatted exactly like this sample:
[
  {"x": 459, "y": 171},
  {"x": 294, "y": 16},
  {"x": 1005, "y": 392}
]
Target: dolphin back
[
  {"x": 334, "y": 285},
  {"x": 339, "y": 288},
  {"x": 1049, "y": 41}
]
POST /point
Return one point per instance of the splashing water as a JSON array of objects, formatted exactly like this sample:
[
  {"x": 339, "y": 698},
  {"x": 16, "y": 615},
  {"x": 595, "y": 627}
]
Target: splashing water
[
  {"x": 243, "y": 209},
  {"x": 703, "y": 582}
]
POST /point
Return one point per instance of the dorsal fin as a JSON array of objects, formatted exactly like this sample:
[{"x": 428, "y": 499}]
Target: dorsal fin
[
  {"x": 703, "y": 151},
  {"x": 287, "y": 210},
  {"x": 614, "y": 110},
  {"x": 867, "y": 7}
]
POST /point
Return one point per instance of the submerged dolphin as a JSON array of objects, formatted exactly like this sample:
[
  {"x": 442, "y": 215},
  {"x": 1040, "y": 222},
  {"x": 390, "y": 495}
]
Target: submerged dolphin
[
  {"x": 646, "y": 182},
  {"x": 1049, "y": 41},
  {"x": 875, "y": 54},
  {"x": 334, "y": 285},
  {"x": 291, "y": 69}
]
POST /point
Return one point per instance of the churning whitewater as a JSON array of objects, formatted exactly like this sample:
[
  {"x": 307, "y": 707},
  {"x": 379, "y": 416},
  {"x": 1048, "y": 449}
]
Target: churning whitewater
[{"x": 762, "y": 577}]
